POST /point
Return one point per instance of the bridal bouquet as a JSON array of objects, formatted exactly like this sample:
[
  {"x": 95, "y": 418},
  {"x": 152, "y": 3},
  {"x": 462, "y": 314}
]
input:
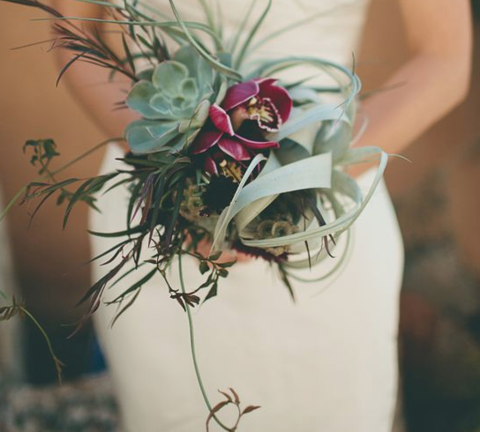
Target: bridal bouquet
[{"x": 229, "y": 151}]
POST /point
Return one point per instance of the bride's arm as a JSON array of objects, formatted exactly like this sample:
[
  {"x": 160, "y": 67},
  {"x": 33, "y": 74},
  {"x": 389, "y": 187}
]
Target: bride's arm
[
  {"x": 91, "y": 85},
  {"x": 436, "y": 78}
]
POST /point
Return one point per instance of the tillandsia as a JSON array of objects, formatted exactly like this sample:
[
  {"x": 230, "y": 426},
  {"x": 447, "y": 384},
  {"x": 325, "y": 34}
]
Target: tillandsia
[{"x": 228, "y": 151}]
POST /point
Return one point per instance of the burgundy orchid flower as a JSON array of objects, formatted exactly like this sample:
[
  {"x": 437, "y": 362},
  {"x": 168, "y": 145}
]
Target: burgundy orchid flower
[{"x": 236, "y": 127}]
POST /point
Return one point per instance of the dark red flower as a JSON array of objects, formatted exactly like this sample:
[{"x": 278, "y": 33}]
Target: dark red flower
[{"x": 236, "y": 127}]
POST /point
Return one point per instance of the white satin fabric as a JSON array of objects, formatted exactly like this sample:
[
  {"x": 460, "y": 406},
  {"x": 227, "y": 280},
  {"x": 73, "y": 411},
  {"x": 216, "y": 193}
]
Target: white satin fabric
[{"x": 327, "y": 363}]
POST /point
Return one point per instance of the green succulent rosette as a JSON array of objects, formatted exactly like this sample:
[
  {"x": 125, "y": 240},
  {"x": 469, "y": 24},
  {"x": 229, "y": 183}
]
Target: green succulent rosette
[{"x": 174, "y": 99}]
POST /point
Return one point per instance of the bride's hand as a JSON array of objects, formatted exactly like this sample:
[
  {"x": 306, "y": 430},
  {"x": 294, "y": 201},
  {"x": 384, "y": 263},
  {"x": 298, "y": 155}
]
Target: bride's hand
[{"x": 227, "y": 256}]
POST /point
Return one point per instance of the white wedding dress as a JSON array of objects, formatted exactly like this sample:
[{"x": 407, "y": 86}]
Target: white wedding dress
[{"x": 327, "y": 363}]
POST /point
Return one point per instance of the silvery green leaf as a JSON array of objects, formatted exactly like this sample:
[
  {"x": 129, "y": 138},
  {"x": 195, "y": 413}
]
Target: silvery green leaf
[
  {"x": 156, "y": 129},
  {"x": 241, "y": 28},
  {"x": 177, "y": 102},
  {"x": 291, "y": 151},
  {"x": 168, "y": 77},
  {"x": 145, "y": 75},
  {"x": 190, "y": 129},
  {"x": 271, "y": 165},
  {"x": 349, "y": 84},
  {"x": 184, "y": 126},
  {"x": 209, "y": 14},
  {"x": 342, "y": 184},
  {"x": 213, "y": 62},
  {"x": 226, "y": 216},
  {"x": 181, "y": 141},
  {"x": 161, "y": 104},
  {"x": 304, "y": 95},
  {"x": 191, "y": 135},
  {"x": 309, "y": 222},
  {"x": 225, "y": 58},
  {"x": 207, "y": 92},
  {"x": 187, "y": 104},
  {"x": 319, "y": 257},
  {"x": 306, "y": 137},
  {"x": 359, "y": 155},
  {"x": 250, "y": 35},
  {"x": 189, "y": 89},
  {"x": 295, "y": 24},
  {"x": 182, "y": 112},
  {"x": 311, "y": 173},
  {"x": 247, "y": 215},
  {"x": 177, "y": 30},
  {"x": 222, "y": 90},
  {"x": 336, "y": 137},
  {"x": 201, "y": 114},
  {"x": 308, "y": 117},
  {"x": 196, "y": 65},
  {"x": 139, "y": 97},
  {"x": 144, "y": 136}
]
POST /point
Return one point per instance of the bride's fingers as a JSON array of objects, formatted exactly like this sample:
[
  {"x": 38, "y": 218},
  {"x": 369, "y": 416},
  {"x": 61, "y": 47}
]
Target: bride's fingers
[
  {"x": 233, "y": 256},
  {"x": 241, "y": 257},
  {"x": 227, "y": 256}
]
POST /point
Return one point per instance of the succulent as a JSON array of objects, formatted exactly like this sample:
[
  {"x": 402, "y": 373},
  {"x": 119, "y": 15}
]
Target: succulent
[{"x": 174, "y": 101}]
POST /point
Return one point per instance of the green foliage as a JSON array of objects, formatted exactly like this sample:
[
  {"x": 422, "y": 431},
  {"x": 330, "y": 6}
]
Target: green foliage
[
  {"x": 44, "y": 151},
  {"x": 16, "y": 308},
  {"x": 174, "y": 103}
]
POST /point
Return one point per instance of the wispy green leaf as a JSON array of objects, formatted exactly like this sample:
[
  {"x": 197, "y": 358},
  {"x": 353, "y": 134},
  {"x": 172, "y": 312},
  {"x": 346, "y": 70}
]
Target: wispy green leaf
[
  {"x": 251, "y": 34},
  {"x": 207, "y": 56}
]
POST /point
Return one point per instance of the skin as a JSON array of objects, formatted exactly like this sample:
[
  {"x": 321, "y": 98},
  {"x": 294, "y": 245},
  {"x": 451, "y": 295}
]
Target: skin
[{"x": 436, "y": 77}]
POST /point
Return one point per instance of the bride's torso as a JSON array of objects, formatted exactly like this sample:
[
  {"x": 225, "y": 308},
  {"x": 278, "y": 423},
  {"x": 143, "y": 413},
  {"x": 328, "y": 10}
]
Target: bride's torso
[
  {"x": 326, "y": 363},
  {"x": 330, "y": 28}
]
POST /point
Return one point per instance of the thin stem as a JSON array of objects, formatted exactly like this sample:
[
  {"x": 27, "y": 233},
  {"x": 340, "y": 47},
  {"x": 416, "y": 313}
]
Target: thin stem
[
  {"x": 239, "y": 417},
  {"x": 12, "y": 202},
  {"x": 241, "y": 28},
  {"x": 193, "y": 350},
  {"x": 252, "y": 33},
  {"x": 58, "y": 363},
  {"x": 211, "y": 23},
  {"x": 294, "y": 26},
  {"x": 147, "y": 23},
  {"x": 22, "y": 191},
  {"x": 84, "y": 155}
]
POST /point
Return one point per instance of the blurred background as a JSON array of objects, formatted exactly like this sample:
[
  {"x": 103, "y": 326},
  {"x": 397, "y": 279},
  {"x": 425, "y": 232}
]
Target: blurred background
[{"x": 437, "y": 199}]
